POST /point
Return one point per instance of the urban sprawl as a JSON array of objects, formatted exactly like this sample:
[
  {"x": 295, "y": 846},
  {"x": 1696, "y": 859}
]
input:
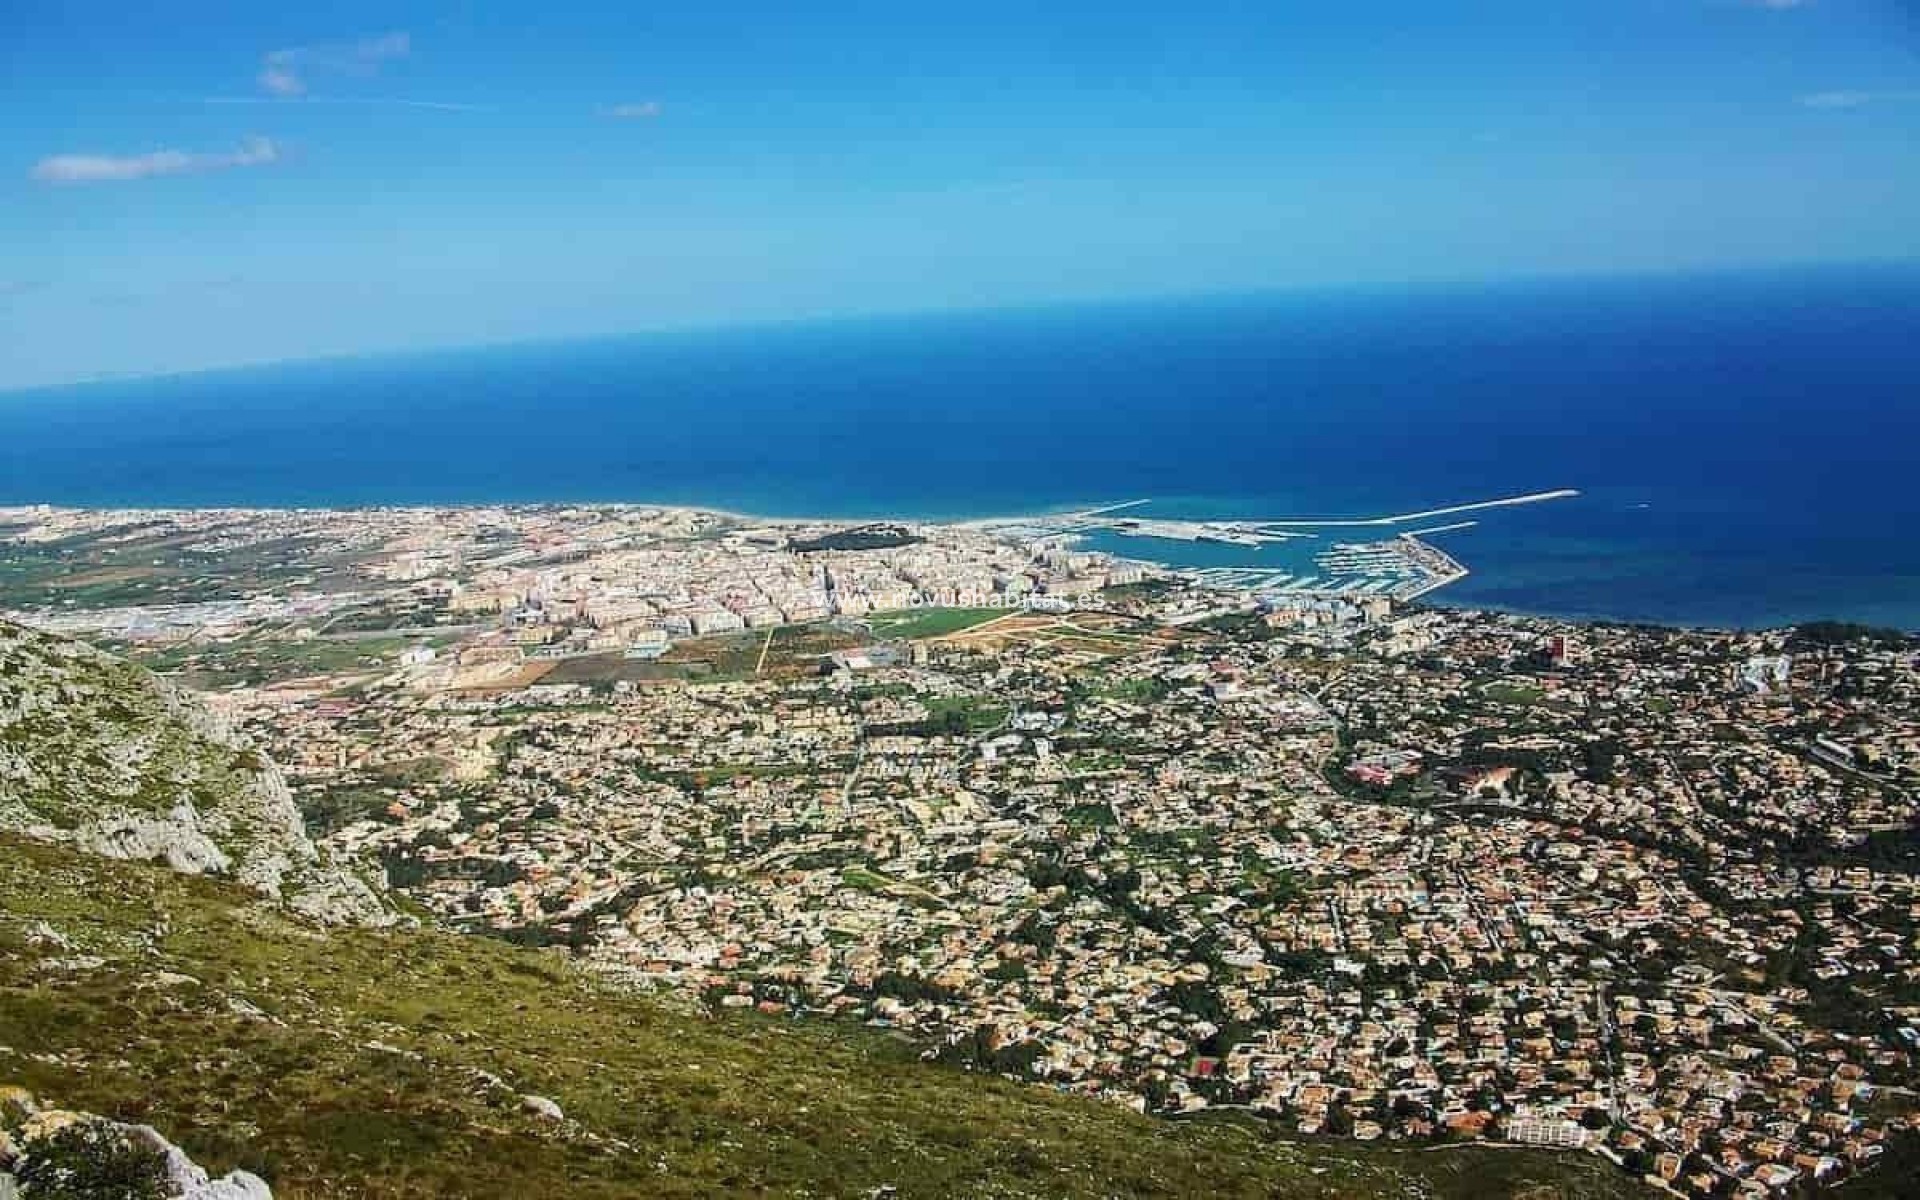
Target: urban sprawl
[{"x": 1366, "y": 869}]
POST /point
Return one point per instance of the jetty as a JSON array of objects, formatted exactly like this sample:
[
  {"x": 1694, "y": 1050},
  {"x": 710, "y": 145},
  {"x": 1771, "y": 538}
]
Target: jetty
[{"x": 1430, "y": 513}]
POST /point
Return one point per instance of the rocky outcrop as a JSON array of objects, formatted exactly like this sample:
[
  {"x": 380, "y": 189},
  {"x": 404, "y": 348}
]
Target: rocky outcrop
[
  {"x": 102, "y": 754},
  {"x": 72, "y": 1153}
]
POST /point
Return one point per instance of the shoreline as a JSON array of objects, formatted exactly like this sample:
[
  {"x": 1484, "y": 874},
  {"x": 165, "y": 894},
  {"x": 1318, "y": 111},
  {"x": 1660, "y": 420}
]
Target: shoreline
[
  {"x": 1094, "y": 512},
  {"x": 1079, "y": 521}
]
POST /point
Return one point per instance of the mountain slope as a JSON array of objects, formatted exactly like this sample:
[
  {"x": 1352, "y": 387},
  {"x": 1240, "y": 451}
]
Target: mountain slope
[
  {"x": 397, "y": 1063},
  {"x": 102, "y": 754}
]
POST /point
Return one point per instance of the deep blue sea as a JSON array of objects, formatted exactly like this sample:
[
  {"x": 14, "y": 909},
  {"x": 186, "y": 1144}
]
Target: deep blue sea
[{"x": 1747, "y": 445}]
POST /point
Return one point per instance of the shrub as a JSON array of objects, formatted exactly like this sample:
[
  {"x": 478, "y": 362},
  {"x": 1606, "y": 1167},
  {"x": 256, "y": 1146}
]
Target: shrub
[{"x": 92, "y": 1160}]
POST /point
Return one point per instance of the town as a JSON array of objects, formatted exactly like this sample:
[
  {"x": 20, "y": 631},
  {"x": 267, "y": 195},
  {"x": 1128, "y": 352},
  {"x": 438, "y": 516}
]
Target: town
[{"x": 1365, "y": 869}]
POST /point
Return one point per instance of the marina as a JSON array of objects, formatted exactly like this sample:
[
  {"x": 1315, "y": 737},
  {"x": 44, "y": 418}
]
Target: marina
[{"x": 1400, "y": 567}]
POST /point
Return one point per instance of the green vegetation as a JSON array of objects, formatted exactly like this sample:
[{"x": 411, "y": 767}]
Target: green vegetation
[
  {"x": 331, "y": 808},
  {"x": 1144, "y": 689},
  {"x": 1146, "y": 590},
  {"x": 116, "y": 737},
  {"x": 91, "y": 1161},
  {"x": 793, "y": 651},
  {"x": 1086, "y": 762},
  {"x": 391, "y": 1064},
  {"x": 866, "y": 537},
  {"x": 960, "y": 715},
  {"x": 1521, "y": 694},
  {"x": 605, "y": 670},
  {"x": 929, "y": 622},
  {"x": 1820, "y": 634},
  {"x": 1091, "y": 816},
  {"x": 91, "y": 572},
  {"x": 273, "y": 658}
]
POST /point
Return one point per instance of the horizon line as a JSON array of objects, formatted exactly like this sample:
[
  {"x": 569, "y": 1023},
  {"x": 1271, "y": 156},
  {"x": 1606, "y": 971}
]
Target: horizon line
[{"x": 720, "y": 325}]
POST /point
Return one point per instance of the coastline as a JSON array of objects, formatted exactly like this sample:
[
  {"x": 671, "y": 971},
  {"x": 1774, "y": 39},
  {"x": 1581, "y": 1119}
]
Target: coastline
[{"x": 1434, "y": 593}]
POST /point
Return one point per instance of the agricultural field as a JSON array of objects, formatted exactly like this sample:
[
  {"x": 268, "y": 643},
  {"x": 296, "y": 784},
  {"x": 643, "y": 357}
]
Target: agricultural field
[{"x": 930, "y": 622}]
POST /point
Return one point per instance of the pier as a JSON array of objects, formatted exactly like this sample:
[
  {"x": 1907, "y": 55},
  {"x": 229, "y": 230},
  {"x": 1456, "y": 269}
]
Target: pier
[
  {"x": 1401, "y": 567},
  {"x": 1428, "y": 514},
  {"x": 1255, "y": 533}
]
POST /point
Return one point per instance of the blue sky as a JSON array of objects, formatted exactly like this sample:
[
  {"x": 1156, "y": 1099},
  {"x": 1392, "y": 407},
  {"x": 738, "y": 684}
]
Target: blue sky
[{"x": 188, "y": 185}]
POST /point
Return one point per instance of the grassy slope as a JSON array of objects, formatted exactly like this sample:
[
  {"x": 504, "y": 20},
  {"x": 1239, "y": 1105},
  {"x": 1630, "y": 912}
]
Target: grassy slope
[{"x": 360, "y": 1079}]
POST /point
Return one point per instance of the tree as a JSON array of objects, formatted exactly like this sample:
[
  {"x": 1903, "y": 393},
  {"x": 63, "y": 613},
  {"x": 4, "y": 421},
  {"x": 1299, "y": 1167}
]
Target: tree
[
  {"x": 1339, "y": 1121},
  {"x": 90, "y": 1160}
]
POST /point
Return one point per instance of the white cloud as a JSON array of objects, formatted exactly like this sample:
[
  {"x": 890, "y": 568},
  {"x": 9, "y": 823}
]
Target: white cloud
[
  {"x": 279, "y": 77},
  {"x": 1842, "y": 99},
  {"x": 109, "y": 168},
  {"x": 645, "y": 110},
  {"x": 1853, "y": 98},
  {"x": 354, "y": 101},
  {"x": 398, "y": 44},
  {"x": 284, "y": 72}
]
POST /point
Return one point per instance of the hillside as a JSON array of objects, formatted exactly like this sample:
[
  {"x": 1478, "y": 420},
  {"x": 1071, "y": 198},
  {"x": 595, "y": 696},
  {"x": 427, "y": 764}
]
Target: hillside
[
  {"x": 172, "y": 954},
  {"x": 395, "y": 1063},
  {"x": 103, "y": 755}
]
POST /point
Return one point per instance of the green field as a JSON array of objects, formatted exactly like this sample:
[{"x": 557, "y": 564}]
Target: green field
[
  {"x": 965, "y": 714},
  {"x": 930, "y": 622},
  {"x": 272, "y": 657},
  {"x": 1521, "y": 694}
]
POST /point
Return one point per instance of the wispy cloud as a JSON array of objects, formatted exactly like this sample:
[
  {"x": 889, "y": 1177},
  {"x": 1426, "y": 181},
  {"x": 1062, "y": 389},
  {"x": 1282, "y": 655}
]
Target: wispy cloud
[
  {"x": 109, "y": 168},
  {"x": 353, "y": 101},
  {"x": 1835, "y": 99},
  {"x": 643, "y": 111},
  {"x": 285, "y": 72},
  {"x": 1853, "y": 98}
]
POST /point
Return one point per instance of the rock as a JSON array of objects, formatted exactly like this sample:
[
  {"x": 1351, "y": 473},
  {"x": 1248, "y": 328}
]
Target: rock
[
  {"x": 180, "y": 845},
  {"x": 42, "y": 936},
  {"x": 540, "y": 1106},
  {"x": 16, "y": 1105},
  {"x": 240, "y": 1185},
  {"x": 241, "y": 1007},
  {"x": 9, "y": 1187},
  {"x": 104, "y": 755},
  {"x": 339, "y": 897},
  {"x": 77, "y": 962},
  {"x": 171, "y": 979},
  {"x": 186, "y": 1179},
  {"x": 183, "y": 1174},
  {"x": 46, "y": 1123}
]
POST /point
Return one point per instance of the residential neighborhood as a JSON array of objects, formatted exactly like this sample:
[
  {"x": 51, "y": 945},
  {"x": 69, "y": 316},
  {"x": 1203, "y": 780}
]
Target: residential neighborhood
[{"x": 1365, "y": 870}]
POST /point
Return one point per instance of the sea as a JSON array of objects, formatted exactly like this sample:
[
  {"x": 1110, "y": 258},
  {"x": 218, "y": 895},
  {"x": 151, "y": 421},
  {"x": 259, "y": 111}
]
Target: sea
[{"x": 1746, "y": 445}]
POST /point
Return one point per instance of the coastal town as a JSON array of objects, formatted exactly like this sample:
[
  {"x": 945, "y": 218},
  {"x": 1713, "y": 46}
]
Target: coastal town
[{"x": 1362, "y": 868}]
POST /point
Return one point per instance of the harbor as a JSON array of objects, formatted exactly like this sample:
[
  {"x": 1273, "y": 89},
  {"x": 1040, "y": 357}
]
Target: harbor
[
  {"x": 1401, "y": 569},
  {"x": 1300, "y": 563}
]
